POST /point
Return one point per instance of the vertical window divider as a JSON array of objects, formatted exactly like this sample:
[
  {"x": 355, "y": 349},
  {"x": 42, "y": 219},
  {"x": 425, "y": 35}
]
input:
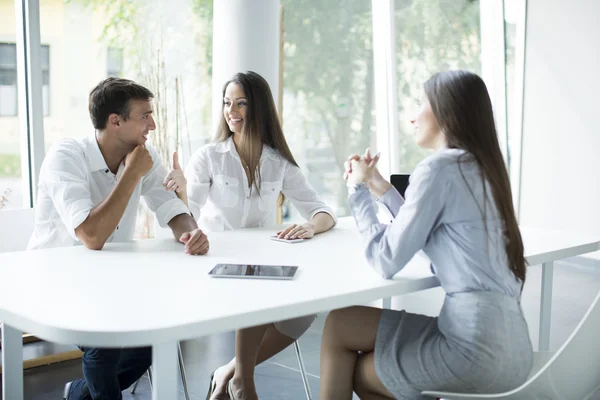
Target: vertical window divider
[
  {"x": 493, "y": 65},
  {"x": 29, "y": 78},
  {"x": 384, "y": 67},
  {"x": 516, "y": 128}
]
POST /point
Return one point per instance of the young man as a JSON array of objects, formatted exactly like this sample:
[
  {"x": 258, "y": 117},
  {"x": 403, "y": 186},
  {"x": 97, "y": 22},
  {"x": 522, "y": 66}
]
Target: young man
[{"x": 89, "y": 191}]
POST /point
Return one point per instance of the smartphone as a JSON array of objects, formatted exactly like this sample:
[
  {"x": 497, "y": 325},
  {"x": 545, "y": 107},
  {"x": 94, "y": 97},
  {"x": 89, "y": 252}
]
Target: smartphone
[{"x": 286, "y": 240}]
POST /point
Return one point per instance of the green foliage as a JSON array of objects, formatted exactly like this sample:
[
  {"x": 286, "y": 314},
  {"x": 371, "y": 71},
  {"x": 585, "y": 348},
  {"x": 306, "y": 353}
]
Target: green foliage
[
  {"x": 10, "y": 165},
  {"x": 431, "y": 36},
  {"x": 204, "y": 10},
  {"x": 121, "y": 25},
  {"x": 329, "y": 60}
]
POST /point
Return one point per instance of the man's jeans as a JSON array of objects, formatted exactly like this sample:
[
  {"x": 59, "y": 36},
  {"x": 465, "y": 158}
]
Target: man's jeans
[{"x": 108, "y": 372}]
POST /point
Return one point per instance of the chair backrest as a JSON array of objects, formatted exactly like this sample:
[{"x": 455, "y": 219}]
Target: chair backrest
[
  {"x": 16, "y": 228},
  {"x": 574, "y": 370},
  {"x": 572, "y": 373},
  {"x": 400, "y": 182}
]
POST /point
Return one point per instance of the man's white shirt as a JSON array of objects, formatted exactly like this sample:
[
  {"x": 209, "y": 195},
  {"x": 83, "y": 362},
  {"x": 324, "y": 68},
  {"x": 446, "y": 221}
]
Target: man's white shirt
[{"x": 74, "y": 179}]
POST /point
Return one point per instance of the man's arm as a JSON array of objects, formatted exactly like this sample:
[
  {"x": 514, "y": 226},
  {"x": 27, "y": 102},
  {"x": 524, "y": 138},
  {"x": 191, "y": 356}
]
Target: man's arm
[
  {"x": 171, "y": 211},
  {"x": 181, "y": 224},
  {"x": 185, "y": 229},
  {"x": 104, "y": 218}
]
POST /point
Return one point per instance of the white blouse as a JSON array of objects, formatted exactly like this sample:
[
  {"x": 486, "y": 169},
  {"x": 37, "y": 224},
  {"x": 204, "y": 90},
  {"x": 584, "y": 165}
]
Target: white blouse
[{"x": 219, "y": 196}]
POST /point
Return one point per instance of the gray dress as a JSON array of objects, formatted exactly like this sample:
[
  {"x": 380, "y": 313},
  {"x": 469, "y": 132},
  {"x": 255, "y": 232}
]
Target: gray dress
[{"x": 480, "y": 341}]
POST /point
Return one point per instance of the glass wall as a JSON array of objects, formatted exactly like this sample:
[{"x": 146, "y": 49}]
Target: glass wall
[
  {"x": 328, "y": 106},
  {"x": 167, "y": 48},
  {"x": 11, "y": 191},
  {"x": 431, "y": 36},
  {"x": 328, "y": 75}
]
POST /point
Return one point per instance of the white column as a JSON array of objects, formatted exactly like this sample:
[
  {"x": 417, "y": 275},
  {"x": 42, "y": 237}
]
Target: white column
[
  {"x": 386, "y": 109},
  {"x": 245, "y": 37}
]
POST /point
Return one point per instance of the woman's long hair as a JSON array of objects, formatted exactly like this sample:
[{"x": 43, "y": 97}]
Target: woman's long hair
[
  {"x": 261, "y": 125},
  {"x": 462, "y": 106}
]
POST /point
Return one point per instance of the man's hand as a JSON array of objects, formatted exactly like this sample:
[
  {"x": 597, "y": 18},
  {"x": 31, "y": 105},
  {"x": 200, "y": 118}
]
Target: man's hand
[
  {"x": 196, "y": 242},
  {"x": 139, "y": 161}
]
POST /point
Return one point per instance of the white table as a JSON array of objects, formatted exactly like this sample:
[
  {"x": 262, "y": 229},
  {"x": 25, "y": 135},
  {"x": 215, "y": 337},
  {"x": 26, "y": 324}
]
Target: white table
[{"x": 151, "y": 293}]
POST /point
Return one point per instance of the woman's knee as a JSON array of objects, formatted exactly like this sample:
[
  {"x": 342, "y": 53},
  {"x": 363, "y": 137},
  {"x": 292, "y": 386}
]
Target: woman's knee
[{"x": 339, "y": 318}]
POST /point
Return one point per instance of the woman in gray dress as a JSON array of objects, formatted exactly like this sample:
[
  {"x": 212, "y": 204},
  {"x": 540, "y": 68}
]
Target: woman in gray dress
[{"x": 458, "y": 209}]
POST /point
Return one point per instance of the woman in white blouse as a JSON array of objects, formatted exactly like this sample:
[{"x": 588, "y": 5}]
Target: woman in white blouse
[{"x": 234, "y": 183}]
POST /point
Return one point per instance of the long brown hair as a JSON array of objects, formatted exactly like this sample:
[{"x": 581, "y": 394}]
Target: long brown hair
[
  {"x": 261, "y": 125},
  {"x": 462, "y": 106}
]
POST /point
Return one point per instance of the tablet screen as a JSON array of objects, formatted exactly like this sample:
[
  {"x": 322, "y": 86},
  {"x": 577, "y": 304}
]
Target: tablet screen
[{"x": 253, "y": 271}]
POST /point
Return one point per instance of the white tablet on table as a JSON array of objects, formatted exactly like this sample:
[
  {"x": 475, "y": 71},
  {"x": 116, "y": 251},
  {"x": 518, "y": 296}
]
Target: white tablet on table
[{"x": 254, "y": 271}]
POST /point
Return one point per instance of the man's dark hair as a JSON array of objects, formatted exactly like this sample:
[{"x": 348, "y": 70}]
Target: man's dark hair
[{"x": 112, "y": 96}]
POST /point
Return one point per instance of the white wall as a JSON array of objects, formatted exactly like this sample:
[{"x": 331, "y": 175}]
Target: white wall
[{"x": 560, "y": 187}]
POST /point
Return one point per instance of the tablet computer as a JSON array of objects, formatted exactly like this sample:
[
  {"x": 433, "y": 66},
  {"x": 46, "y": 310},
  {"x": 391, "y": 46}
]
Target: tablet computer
[{"x": 253, "y": 271}]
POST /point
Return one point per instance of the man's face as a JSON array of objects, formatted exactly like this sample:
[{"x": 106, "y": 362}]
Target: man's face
[{"x": 135, "y": 129}]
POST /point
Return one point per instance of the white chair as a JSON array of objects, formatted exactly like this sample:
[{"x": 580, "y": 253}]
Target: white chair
[
  {"x": 571, "y": 373},
  {"x": 17, "y": 226}
]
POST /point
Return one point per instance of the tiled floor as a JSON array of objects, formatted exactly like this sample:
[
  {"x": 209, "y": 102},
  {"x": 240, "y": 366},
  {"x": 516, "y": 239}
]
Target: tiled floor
[{"x": 279, "y": 379}]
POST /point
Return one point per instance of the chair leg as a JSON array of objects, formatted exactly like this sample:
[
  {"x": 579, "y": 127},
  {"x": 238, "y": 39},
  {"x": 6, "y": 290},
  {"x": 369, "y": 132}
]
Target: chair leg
[
  {"x": 303, "y": 371},
  {"x": 135, "y": 385},
  {"x": 182, "y": 370}
]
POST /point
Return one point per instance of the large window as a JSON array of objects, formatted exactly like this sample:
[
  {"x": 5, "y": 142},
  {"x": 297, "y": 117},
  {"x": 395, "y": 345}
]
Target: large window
[
  {"x": 165, "y": 48},
  {"x": 514, "y": 29},
  {"x": 114, "y": 61},
  {"x": 328, "y": 75},
  {"x": 431, "y": 36},
  {"x": 328, "y": 106},
  {"x": 11, "y": 190},
  {"x": 8, "y": 79}
]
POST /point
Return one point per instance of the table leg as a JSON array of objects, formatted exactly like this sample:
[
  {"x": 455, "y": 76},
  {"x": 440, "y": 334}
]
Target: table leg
[
  {"x": 12, "y": 363},
  {"x": 546, "y": 306},
  {"x": 164, "y": 371}
]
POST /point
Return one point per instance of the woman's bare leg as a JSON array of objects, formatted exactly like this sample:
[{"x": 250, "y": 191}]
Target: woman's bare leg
[
  {"x": 272, "y": 343},
  {"x": 366, "y": 382},
  {"x": 348, "y": 331}
]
